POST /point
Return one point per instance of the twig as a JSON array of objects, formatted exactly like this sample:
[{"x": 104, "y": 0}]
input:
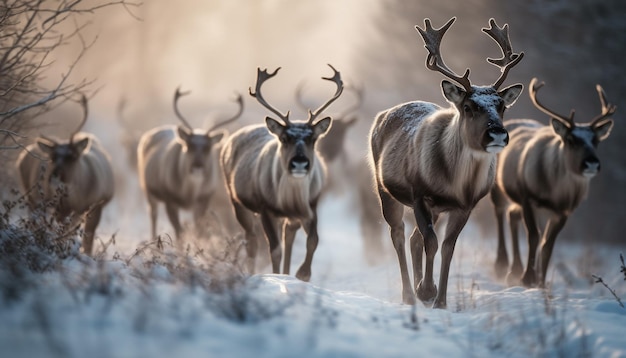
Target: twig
[{"x": 600, "y": 280}]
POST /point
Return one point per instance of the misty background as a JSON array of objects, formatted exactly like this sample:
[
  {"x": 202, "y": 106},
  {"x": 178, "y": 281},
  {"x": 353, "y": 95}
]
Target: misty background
[{"x": 213, "y": 48}]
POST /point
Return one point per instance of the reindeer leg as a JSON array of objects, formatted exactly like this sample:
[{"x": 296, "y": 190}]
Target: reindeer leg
[
  {"x": 271, "y": 234},
  {"x": 310, "y": 226},
  {"x": 456, "y": 223},
  {"x": 200, "y": 217},
  {"x": 247, "y": 220},
  {"x": 153, "y": 209},
  {"x": 553, "y": 228},
  {"x": 172, "y": 214},
  {"x": 426, "y": 289},
  {"x": 529, "y": 278},
  {"x": 499, "y": 203},
  {"x": 93, "y": 219},
  {"x": 393, "y": 212},
  {"x": 289, "y": 234},
  {"x": 515, "y": 216}
]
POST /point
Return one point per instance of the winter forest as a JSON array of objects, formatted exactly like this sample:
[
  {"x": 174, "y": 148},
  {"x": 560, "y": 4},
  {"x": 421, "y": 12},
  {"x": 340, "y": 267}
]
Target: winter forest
[{"x": 136, "y": 253}]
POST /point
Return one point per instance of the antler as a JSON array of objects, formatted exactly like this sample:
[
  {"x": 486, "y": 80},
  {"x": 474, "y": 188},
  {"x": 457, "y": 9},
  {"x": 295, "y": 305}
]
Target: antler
[
  {"x": 534, "y": 87},
  {"x": 261, "y": 77},
  {"x": 83, "y": 103},
  {"x": 607, "y": 108},
  {"x": 432, "y": 41},
  {"x": 177, "y": 95},
  {"x": 337, "y": 80},
  {"x": 359, "y": 92},
  {"x": 239, "y": 100},
  {"x": 501, "y": 36}
]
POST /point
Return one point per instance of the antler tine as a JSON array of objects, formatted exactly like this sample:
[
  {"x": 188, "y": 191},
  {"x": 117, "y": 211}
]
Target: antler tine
[
  {"x": 261, "y": 77},
  {"x": 337, "y": 80},
  {"x": 359, "y": 92},
  {"x": 48, "y": 138},
  {"x": 83, "y": 103},
  {"x": 607, "y": 108},
  {"x": 239, "y": 100},
  {"x": 501, "y": 36},
  {"x": 432, "y": 42},
  {"x": 534, "y": 88},
  {"x": 177, "y": 95}
]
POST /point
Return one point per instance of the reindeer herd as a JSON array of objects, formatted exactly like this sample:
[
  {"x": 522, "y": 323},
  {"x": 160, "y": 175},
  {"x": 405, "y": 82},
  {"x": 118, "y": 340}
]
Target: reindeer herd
[{"x": 423, "y": 157}]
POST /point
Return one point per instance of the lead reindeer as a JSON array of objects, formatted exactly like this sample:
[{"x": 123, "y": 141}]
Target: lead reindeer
[
  {"x": 435, "y": 160},
  {"x": 274, "y": 171},
  {"x": 77, "y": 177},
  {"x": 179, "y": 166},
  {"x": 545, "y": 167}
]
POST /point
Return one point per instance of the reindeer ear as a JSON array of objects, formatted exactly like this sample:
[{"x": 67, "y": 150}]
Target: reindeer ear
[
  {"x": 452, "y": 92},
  {"x": 321, "y": 126},
  {"x": 184, "y": 133},
  {"x": 511, "y": 94},
  {"x": 603, "y": 129},
  {"x": 82, "y": 144},
  {"x": 559, "y": 127},
  {"x": 45, "y": 146},
  {"x": 274, "y": 126},
  {"x": 217, "y": 136}
]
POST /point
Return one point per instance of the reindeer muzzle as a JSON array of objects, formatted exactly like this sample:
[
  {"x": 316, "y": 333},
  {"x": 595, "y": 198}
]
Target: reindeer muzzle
[
  {"x": 591, "y": 167},
  {"x": 299, "y": 166},
  {"x": 496, "y": 138}
]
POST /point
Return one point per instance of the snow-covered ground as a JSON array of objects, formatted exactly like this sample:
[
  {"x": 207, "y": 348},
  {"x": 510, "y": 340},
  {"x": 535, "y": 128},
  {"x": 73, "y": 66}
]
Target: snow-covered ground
[{"x": 125, "y": 308}]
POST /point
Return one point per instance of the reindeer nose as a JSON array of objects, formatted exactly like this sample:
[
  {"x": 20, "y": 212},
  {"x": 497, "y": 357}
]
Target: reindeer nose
[
  {"x": 497, "y": 138},
  {"x": 591, "y": 167},
  {"x": 299, "y": 166}
]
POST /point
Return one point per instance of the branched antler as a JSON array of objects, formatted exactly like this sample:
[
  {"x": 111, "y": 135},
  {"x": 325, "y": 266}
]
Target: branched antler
[
  {"x": 177, "y": 95},
  {"x": 261, "y": 77},
  {"x": 337, "y": 80},
  {"x": 535, "y": 85},
  {"x": 432, "y": 41},
  {"x": 239, "y": 100},
  {"x": 501, "y": 36},
  {"x": 607, "y": 108},
  {"x": 83, "y": 103}
]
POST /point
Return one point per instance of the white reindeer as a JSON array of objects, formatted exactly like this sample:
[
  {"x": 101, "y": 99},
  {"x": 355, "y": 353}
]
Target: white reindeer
[
  {"x": 178, "y": 165},
  {"x": 435, "y": 160},
  {"x": 77, "y": 177},
  {"x": 274, "y": 171},
  {"x": 545, "y": 169}
]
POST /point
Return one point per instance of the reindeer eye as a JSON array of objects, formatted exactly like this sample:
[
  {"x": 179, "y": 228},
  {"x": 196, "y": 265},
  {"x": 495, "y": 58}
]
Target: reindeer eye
[{"x": 467, "y": 109}]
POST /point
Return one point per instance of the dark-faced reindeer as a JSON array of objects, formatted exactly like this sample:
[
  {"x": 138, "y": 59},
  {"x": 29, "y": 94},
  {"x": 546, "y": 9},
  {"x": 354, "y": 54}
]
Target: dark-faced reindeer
[
  {"x": 275, "y": 171},
  {"x": 545, "y": 168},
  {"x": 179, "y": 166},
  {"x": 435, "y": 160},
  {"x": 77, "y": 177}
]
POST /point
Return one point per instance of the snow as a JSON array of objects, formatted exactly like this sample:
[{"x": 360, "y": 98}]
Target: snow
[{"x": 123, "y": 307}]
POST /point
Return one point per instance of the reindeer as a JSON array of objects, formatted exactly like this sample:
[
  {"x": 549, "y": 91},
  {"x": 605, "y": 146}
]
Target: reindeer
[
  {"x": 275, "y": 172},
  {"x": 545, "y": 167},
  {"x": 178, "y": 166},
  {"x": 435, "y": 159},
  {"x": 75, "y": 175}
]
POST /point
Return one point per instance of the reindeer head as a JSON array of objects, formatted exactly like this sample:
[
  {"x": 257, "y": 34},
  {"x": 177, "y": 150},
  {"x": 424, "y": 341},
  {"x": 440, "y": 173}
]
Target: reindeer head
[
  {"x": 297, "y": 139},
  {"x": 198, "y": 143},
  {"x": 579, "y": 140},
  {"x": 65, "y": 154},
  {"x": 480, "y": 108}
]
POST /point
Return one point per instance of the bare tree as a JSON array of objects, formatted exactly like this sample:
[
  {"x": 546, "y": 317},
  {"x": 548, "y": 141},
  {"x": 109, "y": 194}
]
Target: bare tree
[{"x": 30, "y": 31}]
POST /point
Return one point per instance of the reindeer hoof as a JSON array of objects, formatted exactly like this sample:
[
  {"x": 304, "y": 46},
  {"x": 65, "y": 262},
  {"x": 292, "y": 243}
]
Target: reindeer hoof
[
  {"x": 440, "y": 303},
  {"x": 426, "y": 292},
  {"x": 529, "y": 279},
  {"x": 408, "y": 298},
  {"x": 501, "y": 268},
  {"x": 303, "y": 274},
  {"x": 513, "y": 279}
]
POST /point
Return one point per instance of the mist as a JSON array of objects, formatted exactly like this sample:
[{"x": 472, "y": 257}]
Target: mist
[{"x": 212, "y": 48}]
